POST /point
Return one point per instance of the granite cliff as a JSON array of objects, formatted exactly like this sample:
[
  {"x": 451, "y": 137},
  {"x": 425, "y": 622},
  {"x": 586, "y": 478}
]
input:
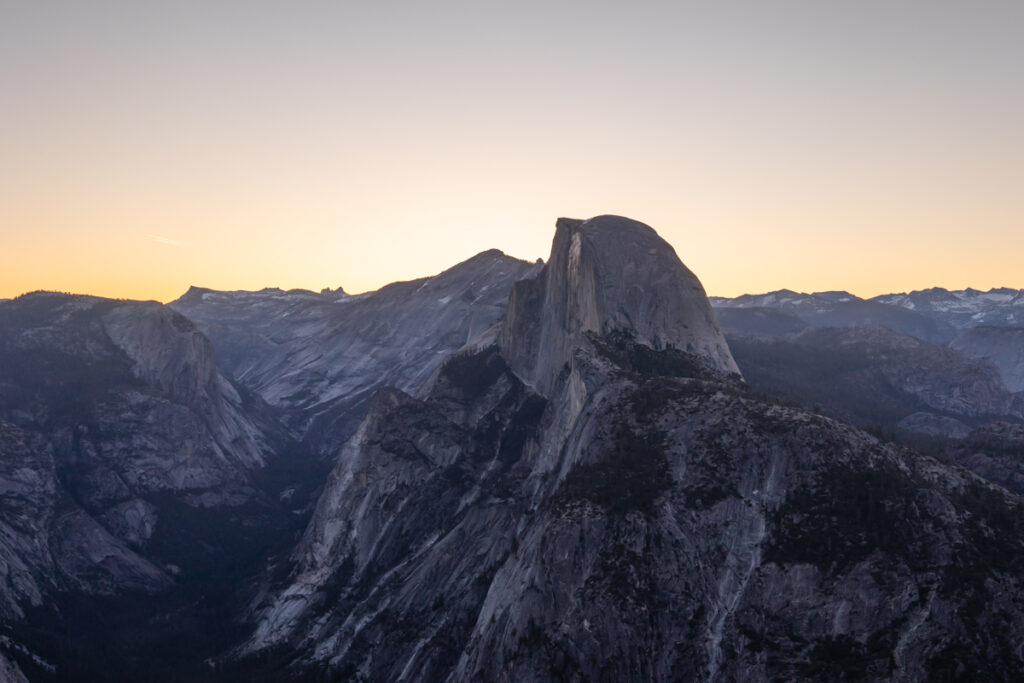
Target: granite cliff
[
  {"x": 590, "y": 492},
  {"x": 130, "y": 469}
]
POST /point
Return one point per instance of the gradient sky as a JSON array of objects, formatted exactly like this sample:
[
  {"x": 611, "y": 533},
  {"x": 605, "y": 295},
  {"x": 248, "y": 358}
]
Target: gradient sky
[{"x": 147, "y": 146}]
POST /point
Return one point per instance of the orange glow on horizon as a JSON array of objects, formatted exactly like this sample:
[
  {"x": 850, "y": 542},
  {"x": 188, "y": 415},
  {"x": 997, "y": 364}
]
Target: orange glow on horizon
[{"x": 146, "y": 149}]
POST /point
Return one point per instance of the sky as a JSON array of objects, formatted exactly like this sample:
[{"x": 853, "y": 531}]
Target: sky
[{"x": 148, "y": 146}]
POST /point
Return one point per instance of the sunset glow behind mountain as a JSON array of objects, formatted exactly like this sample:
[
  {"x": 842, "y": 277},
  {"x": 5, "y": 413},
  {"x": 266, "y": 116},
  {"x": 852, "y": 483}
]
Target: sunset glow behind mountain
[{"x": 861, "y": 146}]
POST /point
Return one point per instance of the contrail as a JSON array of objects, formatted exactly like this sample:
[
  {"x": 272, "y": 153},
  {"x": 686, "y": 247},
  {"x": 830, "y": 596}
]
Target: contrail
[{"x": 162, "y": 240}]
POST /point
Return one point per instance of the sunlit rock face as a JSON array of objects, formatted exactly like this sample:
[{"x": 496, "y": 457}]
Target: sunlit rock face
[
  {"x": 592, "y": 493},
  {"x": 606, "y": 275},
  {"x": 320, "y": 357}
]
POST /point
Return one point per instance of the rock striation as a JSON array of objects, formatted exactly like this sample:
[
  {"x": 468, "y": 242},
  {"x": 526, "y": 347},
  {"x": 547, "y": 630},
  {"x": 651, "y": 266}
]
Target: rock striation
[
  {"x": 608, "y": 275},
  {"x": 319, "y": 357},
  {"x": 511, "y": 472},
  {"x": 128, "y": 463}
]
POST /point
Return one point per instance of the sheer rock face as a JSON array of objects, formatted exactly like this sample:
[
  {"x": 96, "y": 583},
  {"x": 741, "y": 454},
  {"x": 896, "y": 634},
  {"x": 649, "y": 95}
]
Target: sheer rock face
[
  {"x": 605, "y": 275},
  {"x": 638, "y": 515},
  {"x": 681, "y": 530},
  {"x": 113, "y": 421}
]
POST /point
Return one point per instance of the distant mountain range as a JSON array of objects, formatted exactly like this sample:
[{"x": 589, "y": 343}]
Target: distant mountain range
[
  {"x": 933, "y": 314},
  {"x": 959, "y": 308},
  {"x": 791, "y": 344}
]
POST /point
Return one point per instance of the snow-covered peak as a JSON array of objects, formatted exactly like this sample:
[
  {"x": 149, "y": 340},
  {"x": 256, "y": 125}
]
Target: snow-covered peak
[
  {"x": 964, "y": 308},
  {"x": 785, "y": 298}
]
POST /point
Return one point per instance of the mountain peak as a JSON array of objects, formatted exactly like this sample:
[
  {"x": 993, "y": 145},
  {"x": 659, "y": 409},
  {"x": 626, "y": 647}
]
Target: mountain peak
[
  {"x": 608, "y": 274},
  {"x": 607, "y": 223},
  {"x": 489, "y": 253}
]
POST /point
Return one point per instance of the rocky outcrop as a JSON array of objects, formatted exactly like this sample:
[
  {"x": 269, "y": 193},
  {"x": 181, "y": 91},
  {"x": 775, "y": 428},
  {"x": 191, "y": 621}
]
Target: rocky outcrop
[
  {"x": 637, "y": 514},
  {"x": 607, "y": 275},
  {"x": 684, "y": 530},
  {"x": 844, "y": 559},
  {"x": 996, "y": 452}
]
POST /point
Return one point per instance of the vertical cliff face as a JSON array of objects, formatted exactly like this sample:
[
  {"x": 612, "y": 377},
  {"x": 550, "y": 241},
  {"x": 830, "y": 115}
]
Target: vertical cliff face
[
  {"x": 165, "y": 348},
  {"x": 608, "y": 275},
  {"x": 116, "y": 434}
]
